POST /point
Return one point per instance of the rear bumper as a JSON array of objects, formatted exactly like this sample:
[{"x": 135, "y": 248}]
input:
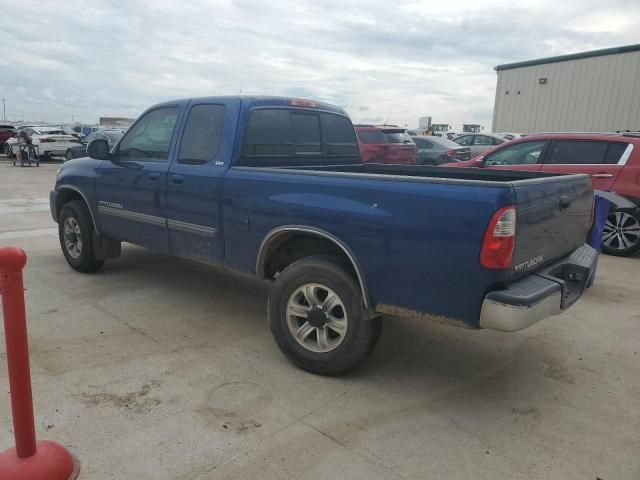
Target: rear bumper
[{"x": 546, "y": 292}]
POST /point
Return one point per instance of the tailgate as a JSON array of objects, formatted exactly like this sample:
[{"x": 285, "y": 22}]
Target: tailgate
[{"x": 554, "y": 216}]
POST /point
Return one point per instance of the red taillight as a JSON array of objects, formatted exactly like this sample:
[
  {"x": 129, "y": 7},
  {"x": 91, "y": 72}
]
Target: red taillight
[
  {"x": 499, "y": 239},
  {"x": 450, "y": 153},
  {"x": 47, "y": 140}
]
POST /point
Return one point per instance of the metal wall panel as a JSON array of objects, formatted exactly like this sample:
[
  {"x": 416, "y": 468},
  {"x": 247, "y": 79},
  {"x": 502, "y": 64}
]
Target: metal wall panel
[{"x": 589, "y": 94}]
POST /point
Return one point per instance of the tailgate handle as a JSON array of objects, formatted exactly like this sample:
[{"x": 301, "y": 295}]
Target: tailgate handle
[
  {"x": 602, "y": 175},
  {"x": 564, "y": 202}
]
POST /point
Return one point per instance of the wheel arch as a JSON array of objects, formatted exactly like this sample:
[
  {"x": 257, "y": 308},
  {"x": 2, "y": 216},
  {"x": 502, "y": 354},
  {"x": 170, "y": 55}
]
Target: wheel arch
[
  {"x": 277, "y": 238},
  {"x": 68, "y": 193}
]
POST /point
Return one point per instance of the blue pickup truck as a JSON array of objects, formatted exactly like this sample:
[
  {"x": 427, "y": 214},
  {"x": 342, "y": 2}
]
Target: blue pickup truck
[{"x": 274, "y": 187}]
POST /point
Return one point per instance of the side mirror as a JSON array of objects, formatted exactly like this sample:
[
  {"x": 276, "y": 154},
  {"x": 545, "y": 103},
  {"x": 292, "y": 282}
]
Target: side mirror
[{"x": 98, "y": 149}]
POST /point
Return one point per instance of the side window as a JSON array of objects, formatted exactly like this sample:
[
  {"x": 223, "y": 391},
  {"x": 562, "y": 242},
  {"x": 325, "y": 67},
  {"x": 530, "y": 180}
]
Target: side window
[
  {"x": 338, "y": 136},
  {"x": 150, "y": 138},
  {"x": 577, "y": 152},
  {"x": 202, "y": 134},
  {"x": 306, "y": 133},
  {"x": 526, "y": 153},
  {"x": 483, "y": 140},
  {"x": 497, "y": 141},
  {"x": 268, "y": 134},
  {"x": 465, "y": 140},
  {"x": 30, "y": 131},
  {"x": 615, "y": 152}
]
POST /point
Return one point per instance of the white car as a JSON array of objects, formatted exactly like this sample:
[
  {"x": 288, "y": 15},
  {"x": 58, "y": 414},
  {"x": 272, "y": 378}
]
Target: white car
[{"x": 50, "y": 141}]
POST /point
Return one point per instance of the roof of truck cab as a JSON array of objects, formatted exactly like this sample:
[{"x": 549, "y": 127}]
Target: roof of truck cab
[{"x": 249, "y": 101}]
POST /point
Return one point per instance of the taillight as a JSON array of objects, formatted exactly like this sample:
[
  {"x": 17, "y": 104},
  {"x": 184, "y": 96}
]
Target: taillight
[
  {"x": 450, "y": 153},
  {"x": 499, "y": 239},
  {"x": 47, "y": 140}
]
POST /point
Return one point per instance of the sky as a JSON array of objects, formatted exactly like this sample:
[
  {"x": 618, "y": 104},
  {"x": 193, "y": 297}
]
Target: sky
[{"x": 384, "y": 62}]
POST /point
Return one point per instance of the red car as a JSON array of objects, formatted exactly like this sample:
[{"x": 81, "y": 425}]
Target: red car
[
  {"x": 385, "y": 144},
  {"x": 6, "y": 132},
  {"x": 611, "y": 159}
]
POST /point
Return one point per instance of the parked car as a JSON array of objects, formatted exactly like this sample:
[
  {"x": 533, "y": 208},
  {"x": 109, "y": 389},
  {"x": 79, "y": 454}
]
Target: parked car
[
  {"x": 275, "y": 187},
  {"x": 611, "y": 160},
  {"x": 385, "y": 144},
  {"x": 6, "y": 132},
  {"x": 512, "y": 135},
  {"x": 479, "y": 142},
  {"x": 49, "y": 141},
  {"x": 438, "y": 150},
  {"x": 111, "y": 136}
]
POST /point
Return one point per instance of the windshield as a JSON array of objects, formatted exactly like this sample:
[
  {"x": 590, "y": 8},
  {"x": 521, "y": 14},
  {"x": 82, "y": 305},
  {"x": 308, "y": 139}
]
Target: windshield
[{"x": 395, "y": 136}]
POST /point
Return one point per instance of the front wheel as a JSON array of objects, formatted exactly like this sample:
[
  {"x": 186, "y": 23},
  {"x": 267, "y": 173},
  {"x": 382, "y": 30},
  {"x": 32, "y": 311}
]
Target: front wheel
[
  {"x": 316, "y": 317},
  {"x": 75, "y": 230},
  {"x": 621, "y": 234}
]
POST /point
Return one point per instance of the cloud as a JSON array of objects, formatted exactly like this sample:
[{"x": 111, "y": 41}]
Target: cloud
[{"x": 378, "y": 60}]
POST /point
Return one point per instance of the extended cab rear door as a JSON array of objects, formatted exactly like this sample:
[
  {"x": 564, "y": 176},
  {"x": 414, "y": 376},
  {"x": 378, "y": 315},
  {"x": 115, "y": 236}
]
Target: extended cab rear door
[
  {"x": 194, "y": 184},
  {"x": 602, "y": 160}
]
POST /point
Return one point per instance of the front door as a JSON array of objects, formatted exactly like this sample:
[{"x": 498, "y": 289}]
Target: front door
[
  {"x": 130, "y": 188},
  {"x": 602, "y": 160},
  {"x": 194, "y": 185}
]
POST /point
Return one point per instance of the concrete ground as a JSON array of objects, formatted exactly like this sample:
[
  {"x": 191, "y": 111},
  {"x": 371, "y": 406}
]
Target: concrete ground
[{"x": 160, "y": 368}]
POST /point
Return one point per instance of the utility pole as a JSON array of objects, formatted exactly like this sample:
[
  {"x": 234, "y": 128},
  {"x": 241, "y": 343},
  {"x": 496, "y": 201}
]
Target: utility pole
[{"x": 4, "y": 109}]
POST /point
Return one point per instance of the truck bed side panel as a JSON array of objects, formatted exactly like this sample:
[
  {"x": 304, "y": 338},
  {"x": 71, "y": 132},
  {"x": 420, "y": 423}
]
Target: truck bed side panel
[{"x": 417, "y": 243}]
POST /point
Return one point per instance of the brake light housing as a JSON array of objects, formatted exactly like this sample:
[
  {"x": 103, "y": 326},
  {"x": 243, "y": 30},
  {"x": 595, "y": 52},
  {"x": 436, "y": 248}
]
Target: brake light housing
[
  {"x": 299, "y": 102},
  {"x": 499, "y": 239}
]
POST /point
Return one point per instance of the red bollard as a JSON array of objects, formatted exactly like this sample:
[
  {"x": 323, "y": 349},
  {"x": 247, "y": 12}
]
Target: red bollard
[{"x": 29, "y": 460}]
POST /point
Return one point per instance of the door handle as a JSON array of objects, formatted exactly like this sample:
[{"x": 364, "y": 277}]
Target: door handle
[
  {"x": 602, "y": 175},
  {"x": 177, "y": 179},
  {"x": 154, "y": 177}
]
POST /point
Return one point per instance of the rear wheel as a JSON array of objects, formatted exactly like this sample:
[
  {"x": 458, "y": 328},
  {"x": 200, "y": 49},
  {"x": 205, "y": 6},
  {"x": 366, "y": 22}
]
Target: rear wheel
[
  {"x": 75, "y": 230},
  {"x": 69, "y": 155},
  {"x": 316, "y": 317},
  {"x": 8, "y": 150},
  {"x": 621, "y": 235}
]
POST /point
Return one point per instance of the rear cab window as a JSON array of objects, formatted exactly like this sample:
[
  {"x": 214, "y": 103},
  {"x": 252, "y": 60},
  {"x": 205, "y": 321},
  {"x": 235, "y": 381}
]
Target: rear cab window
[{"x": 282, "y": 136}]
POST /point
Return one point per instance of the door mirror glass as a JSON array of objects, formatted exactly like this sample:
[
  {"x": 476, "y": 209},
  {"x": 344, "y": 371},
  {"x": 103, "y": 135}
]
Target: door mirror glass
[{"x": 98, "y": 149}]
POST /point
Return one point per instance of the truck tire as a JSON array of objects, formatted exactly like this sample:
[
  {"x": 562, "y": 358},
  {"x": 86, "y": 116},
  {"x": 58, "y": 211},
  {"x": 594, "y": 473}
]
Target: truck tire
[
  {"x": 317, "y": 319},
  {"x": 75, "y": 230},
  {"x": 621, "y": 235}
]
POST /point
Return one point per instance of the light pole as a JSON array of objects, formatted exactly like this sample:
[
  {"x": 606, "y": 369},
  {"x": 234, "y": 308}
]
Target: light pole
[{"x": 4, "y": 109}]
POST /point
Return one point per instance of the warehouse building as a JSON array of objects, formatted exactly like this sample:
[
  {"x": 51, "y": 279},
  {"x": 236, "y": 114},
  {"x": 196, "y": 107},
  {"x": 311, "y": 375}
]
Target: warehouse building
[{"x": 590, "y": 91}]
